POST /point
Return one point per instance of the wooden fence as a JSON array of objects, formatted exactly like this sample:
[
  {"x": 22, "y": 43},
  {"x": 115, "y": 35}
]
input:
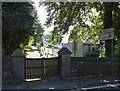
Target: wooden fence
[
  {"x": 94, "y": 66},
  {"x": 41, "y": 68}
]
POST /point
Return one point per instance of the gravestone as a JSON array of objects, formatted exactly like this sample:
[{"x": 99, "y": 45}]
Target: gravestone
[{"x": 76, "y": 48}]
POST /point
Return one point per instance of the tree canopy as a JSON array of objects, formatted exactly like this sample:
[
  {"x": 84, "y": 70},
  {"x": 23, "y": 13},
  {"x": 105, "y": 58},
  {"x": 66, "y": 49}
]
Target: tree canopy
[
  {"x": 86, "y": 18},
  {"x": 19, "y": 26}
]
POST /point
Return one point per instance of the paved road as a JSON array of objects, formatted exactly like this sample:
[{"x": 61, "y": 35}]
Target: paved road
[{"x": 71, "y": 84}]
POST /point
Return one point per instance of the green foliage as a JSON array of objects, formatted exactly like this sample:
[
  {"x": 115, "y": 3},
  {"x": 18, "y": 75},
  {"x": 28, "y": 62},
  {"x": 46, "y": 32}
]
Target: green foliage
[
  {"x": 38, "y": 35},
  {"x": 116, "y": 20},
  {"x": 76, "y": 14},
  {"x": 117, "y": 50},
  {"x": 19, "y": 25},
  {"x": 87, "y": 19},
  {"x": 111, "y": 19}
]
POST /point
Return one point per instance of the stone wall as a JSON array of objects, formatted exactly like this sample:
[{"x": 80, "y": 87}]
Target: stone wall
[
  {"x": 95, "y": 66},
  {"x": 13, "y": 67},
  {"x": 7, "y": 69}
]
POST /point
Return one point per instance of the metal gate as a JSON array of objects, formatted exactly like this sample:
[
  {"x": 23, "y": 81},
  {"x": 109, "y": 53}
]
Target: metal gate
[{"x": 41, "y": 68}]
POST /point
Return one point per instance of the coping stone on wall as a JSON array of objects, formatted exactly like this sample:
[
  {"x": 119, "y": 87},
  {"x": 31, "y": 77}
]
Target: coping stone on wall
[
  {"x": 64, "y": 50},
  {"x": 18, "y": 53}
]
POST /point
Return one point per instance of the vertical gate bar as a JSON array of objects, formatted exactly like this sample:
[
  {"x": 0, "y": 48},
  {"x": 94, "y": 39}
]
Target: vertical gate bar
[
  {"x": 34, "y": 67},
  {"x": 53, "y": 68},
  {"x": 25, "y": 69},
  {"x": 42, "y": 68},
  {"x": 33, "y": 73},
  {"x": 44, "y": 62},
  {"x": 31, "y": 69},
  {"x": 39, "y": 68},
  {"x": 57, "y": 66},
  {"x": 49, "y": 67}
]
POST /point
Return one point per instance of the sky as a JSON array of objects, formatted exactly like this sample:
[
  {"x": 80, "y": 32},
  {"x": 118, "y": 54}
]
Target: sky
[{"x": 42, "y": 14}]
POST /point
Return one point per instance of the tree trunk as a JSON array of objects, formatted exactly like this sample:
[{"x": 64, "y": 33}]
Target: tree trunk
[{"x": 108, "y": 24}]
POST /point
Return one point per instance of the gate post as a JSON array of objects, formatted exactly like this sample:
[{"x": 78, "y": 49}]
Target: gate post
[
  {"x": 65, "y": 62},
  {"x": 19, "y": 68}
]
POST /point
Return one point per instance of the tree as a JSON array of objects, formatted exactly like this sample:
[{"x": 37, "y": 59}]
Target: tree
[
  {"x": 87, "y": 18},
  {"x": 38, "y": 35},
  {"x": 111, "y": 19},
  {"x": 18, "y": 19},
  {"x": 108, "y": 24},
  {"x": 76, "y": 14}
]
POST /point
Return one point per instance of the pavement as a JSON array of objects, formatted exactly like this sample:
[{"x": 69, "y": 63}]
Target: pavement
[{"x": 67, "y": 84}]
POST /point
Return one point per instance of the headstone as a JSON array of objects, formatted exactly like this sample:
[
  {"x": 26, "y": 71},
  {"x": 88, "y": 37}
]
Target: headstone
[
  {"x": 76, "y": 48},
  {"x": 79, "y": 48}
]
